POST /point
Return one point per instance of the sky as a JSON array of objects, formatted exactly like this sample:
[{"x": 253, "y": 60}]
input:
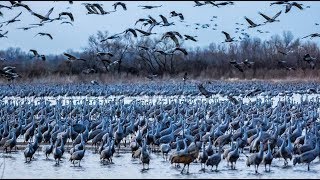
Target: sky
[{"x": 66, "y": 37}]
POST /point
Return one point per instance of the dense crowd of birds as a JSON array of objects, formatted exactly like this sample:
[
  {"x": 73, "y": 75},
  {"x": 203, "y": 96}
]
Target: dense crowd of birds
[
  {"x": 184, "y": 132},
  {"x": 151, "y": 22},
  {"x": 187, "y": 88}
]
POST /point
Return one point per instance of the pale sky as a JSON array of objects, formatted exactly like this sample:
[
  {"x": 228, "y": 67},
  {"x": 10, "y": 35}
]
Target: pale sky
[{"x": 65, "y": 36}]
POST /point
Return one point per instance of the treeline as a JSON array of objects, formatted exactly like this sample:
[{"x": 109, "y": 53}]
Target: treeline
[{"x": 144, "y": 56}]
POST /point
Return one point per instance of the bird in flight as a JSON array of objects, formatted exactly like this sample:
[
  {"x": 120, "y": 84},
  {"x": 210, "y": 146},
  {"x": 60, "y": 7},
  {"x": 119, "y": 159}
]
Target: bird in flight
[
  {"x": 73, "y": 58},
  {"x": 270, "y": 20},
  {"x": 252, "y": 24},
  {"x": 123, "y": 5},
  {"x": 228, "y": 37},
  {"x": 149, "y": 7},
  {"x": 289, "y": 6},
  {"x": 13, "y": 19},
  {"x": 43, "y": 18},
  {"x": 313, "y": 35},
  {"x": 45, "y": 34}
]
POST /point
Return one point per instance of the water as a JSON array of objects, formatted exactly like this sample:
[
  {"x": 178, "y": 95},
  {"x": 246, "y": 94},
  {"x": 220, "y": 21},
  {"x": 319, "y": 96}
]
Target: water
[
  {"x": 126, "y": 167},
  {"x": 295, "y": 98}
]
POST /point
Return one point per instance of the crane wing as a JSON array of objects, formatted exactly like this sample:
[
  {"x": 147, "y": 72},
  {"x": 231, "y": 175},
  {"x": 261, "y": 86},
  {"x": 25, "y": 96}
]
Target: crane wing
[
  {"x": 278, "y": 14},
  {"x": 226, "y": 34},
  {"x": 265, "y": 16}
]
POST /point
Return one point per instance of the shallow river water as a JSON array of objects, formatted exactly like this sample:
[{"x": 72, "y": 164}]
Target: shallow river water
[{"x": 126, "y": 167}]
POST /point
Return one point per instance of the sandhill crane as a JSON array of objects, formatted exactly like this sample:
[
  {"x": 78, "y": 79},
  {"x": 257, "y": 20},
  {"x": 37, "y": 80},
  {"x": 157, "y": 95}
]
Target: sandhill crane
[
  {"x": 215, "y": 159},
  {"x": 102, "y": 11},
  {"x": 307, "y": 157},
  {"x": 267, "y": 159},
  {"x": 224, "y": 3},
  {"x": 57, "y": 153},
  {"x": 270, "y": 20},
  {"x": 165, "y": 148},
  {"x": 252, "y": 24},
  {"x": 78, "y": 155},
  {"x": 27, "y": 28},
  {"x": 145, "y": 155},
  {"x": 149, "y": 7},
  {"x": 48, "y": 149},
  {"x": 233, "y": 156},
  {"x": 185, "y": 77},
  {"x": 43, "y": 18},
  {"x": 174, "y": 13},
  {"x": 182, "y": 156},
  {"x": 95, "y": 8},
  {"x": 37, "y": 24},
  {"x": 10, "y": 143},
  {"x": 228, "y": 37},
  {"x": 192, "y": 38},
  {"x": 232, "y": 99},
  {"x": 310, "y": 60},
  {"x": 45, "y": 34},
  {"x": 172, "y": 35},
  {"x": 123, "y": 5},
  {"x": 312, "y": 35},
  {"x": 203, "y": 157},
  {"x": 3, "y": 35},
  {"x": 165, "y": 21},
  {"x": 203, "y": 91},
  {"x": 152, "y": 23},
  {"x": 37, "y": 55},
  {"x": 278, "y": 2},
  {"x": 289, "y": 6},
  {"x": 28, "y": 152},
  {"x": 90, "y": 9},
  {"x": 198, "y": 3},
  {"x": 13, "y": 19},
  {"x": 255, "y": 159},
  {"x": 237, "y": 65},
  {"x": 73, "y": 58},
  {"x": 67, "y": 14}
]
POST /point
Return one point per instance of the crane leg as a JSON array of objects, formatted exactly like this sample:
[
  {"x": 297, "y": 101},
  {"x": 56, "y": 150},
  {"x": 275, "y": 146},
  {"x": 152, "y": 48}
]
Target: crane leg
[{"x": 183, "y": 168}]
